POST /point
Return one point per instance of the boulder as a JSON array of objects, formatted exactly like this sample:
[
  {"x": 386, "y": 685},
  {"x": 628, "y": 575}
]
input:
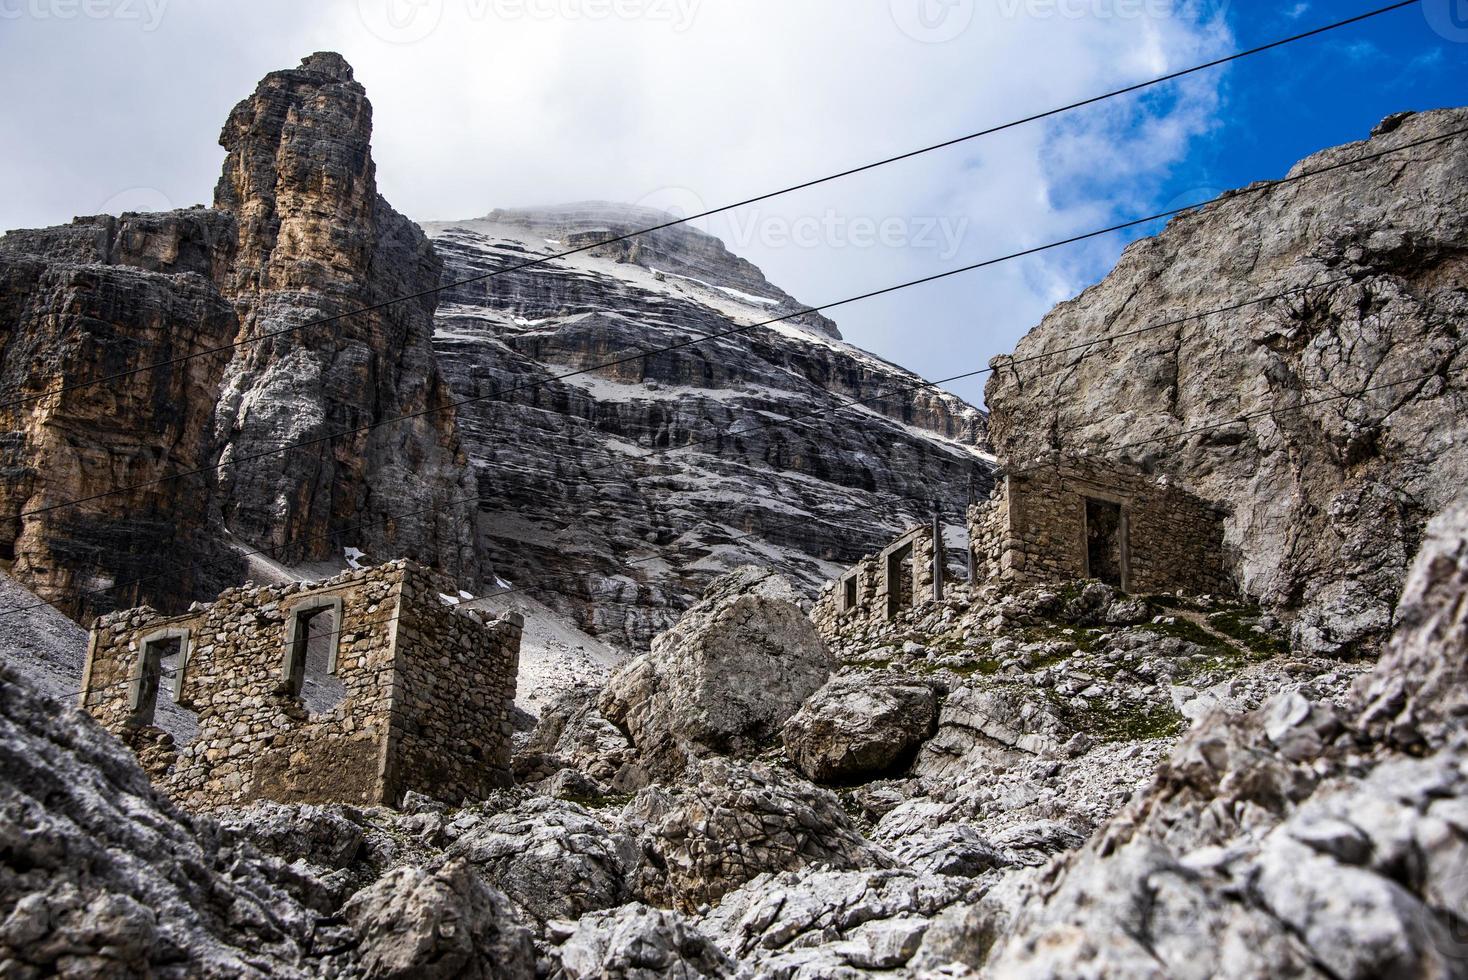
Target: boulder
[
  {"x": 731, "y": 822},
  {"x": 554, "y": 859},
  {"x": 723, "y": 680},
  {"x": 640, "y": 943},
  {"x": 438, "y": 923},
  {"x": 859, "y": 727}
]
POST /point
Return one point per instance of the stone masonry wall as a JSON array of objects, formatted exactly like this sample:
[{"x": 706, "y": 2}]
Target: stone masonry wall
[
  {"x": 1033, "y": 530},
  {"x": 834, "y": 615},
  {"x": 456, "y": 690},
  {"x": 256, "y": 740}
]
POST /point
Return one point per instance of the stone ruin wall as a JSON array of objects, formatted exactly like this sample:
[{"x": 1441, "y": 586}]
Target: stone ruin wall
[
  {"x": 835, "y": 617},
  {"x": 1032, "y": 531},
  {"x": 452, "y": 709},
  {"x": 428, "y": 692}
]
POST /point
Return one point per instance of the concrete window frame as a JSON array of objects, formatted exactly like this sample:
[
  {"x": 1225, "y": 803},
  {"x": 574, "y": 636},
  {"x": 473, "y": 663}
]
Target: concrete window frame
[
  {"x": 298, "y": 638},
  {"x": 147, "y": 674}
]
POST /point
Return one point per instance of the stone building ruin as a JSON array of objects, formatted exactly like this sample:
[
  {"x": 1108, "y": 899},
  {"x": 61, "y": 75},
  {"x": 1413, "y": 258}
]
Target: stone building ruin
[
  {"x": 908, "y": 573},
  {"x": 356, "y": 689},
  {"x": 1067, "y": 519},
  {"x": 1056, "y": 522}
]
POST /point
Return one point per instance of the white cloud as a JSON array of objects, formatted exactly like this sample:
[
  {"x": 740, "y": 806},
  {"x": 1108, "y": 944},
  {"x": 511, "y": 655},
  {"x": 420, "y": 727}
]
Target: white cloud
[{"x": 496, "y": 103}]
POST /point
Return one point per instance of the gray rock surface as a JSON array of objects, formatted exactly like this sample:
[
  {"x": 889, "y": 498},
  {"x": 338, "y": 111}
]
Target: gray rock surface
[
  {"x": 624, "y": 546},
  {"x": 859, "y": 726},
  {"x": 554, "y": 859},
  {"x": 1327, "y": 502},
  {"x": 832, "y": 923},
  {"x": 725, "y": 678},
  {"x": 99, "y": 876},
  {"x": 438, "y": 923},
  {"x": 1258, "y": 852},
  {"x": 636, "y": 942},
  {"x": 729, "y": 823}
]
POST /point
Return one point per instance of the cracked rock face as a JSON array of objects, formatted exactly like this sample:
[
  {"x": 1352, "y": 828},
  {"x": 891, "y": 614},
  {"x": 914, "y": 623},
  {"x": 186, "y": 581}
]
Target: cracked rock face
[
  {"x": 1328, "y": 502},
  {"x": 856, "y": 726},
  {"x": 298, "y": 233},
  {"x": 99, "y": 876},
  {"x": 729, "y": 823},
  {"x": 1269, "y": 847},
  {"x": 725, "y": 678},
  {"x": 624, "y": 545}
]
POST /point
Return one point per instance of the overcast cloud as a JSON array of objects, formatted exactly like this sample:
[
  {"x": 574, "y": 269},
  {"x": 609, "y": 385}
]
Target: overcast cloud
[{"x": 683, "y": 104}]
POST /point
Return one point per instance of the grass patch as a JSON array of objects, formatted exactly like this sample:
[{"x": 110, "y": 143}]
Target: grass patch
[
  {"x": 1240, "y": 625},
  {"x": 1186, "y": 629},
  {"x": 1083, "y": 639},
  {"x": 1121, "y": 723}
]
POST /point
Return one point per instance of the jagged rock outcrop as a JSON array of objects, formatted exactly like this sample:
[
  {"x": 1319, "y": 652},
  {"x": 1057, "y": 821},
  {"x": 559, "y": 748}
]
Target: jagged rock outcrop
[
  {"x": 834, "y": 923},
  {"x": 1259, "y": 853},
  {"x": 316, "y": 240},
  {"x": 636, "y": 942},
  {"x": 438, "y": 923},
  {"x": 724, "y": 679},
  {"x": 625, "y": 545},
  {"x": 859, "y": 726},
  {"x": 730, "y": 822},
  {"x": 1328, "y": 501},
  {"x": 553, "y": 859},
  {"x": 297, "y": 233},
  {"x": 99, "y": 876},
  {"x": 80, "y": 303}
]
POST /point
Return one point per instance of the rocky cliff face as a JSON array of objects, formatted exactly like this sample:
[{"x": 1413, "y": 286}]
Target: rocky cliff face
[
  {"x": 1328, "y": 503},
  {"x": 93, "y": 299},
  {"x": 298, "y": 233},
  {"x": 624, "y": 544},
  {"x": 316, "y": 240}
]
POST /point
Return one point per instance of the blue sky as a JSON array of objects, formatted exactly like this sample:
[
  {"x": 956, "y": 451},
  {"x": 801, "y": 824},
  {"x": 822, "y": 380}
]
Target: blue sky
[
  {"x": 1284, "y": 105},
  {"x": 688, "y": 104}
]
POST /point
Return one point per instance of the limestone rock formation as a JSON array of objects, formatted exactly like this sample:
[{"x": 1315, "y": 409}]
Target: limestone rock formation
[
  {"x": 729, "y": 823},
  {"x": 1327, "y": 502},
  {"x": 438, "y": 923},
  {"x": 1248, "y": 859},
  {"x": 624, "y": 545},
  {"x": 297, "y": 233},
  {"x": 834, "y": 923},
  {"x": 81, "y": 303},
  {"x": 100, "y": 877},
  {"x": 553, "y": 859},
  {"x": 636, "y": 942},
  {"x": 859, "y": 726},
  {"x": 725, "y": 678},
  {"x": 317, "y": 241}
]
